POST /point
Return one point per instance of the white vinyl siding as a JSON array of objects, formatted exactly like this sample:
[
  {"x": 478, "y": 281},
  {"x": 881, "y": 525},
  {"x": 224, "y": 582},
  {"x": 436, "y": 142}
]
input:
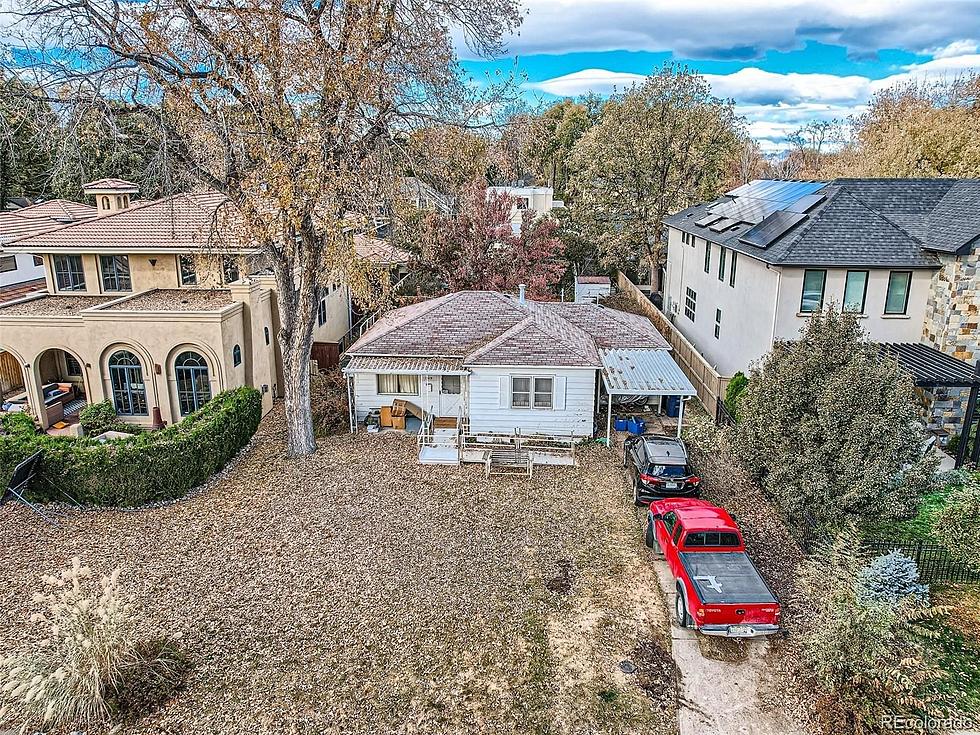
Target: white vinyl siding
[{"x": 573, "y": 400}]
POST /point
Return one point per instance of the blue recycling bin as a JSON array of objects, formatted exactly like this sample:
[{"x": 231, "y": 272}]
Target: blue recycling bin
[
  {"x": 620, "y": 424},
  {"x": 636, "y": 425},
  {"x": 673, "y": 406}
]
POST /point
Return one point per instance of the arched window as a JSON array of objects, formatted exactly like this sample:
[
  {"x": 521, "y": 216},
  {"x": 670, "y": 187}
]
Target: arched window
[
  {"x": 193, "y": 384},
  {"x": 105, "y": 202},
  {"x": 128, "y": 388},
  {"x": 236, "y": 355}
]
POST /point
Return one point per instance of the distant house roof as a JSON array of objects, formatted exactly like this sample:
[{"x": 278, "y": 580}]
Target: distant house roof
[
  {"x": 380, "y": 251},
  {"x": 37, "y": 218},
  {"x": 14, "y": 291},
  {"x": 593, "y": 279},
  {"x": 884, "y": 223},
  {"x": 490, "y": 328},
  {"x": 111, "y": 184}
]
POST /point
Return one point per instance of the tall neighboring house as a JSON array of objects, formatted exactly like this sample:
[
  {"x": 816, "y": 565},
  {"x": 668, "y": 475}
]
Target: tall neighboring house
[
  {"x": 750, "y": 267},
  {"x": 538, "y": 200},
  {"x": 482, "y": 362},
  {"x": 23, "y": 273},
  {"x": 146, "y": 305}
]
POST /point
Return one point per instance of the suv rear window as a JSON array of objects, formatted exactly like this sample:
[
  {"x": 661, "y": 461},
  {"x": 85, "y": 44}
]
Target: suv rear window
[
  {"x": 711, "y": 538},
  {"x": 667, "y": 470}
]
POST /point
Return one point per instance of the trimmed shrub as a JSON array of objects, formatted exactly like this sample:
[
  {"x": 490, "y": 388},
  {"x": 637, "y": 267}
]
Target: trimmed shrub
[
  {"x": 736, "y": 386},
  {"x": 150, "y": 467},
  {"x": 891, "y": 578},
  {"x": 101, "y": 417},
  {"x": 957, "y": 525}
]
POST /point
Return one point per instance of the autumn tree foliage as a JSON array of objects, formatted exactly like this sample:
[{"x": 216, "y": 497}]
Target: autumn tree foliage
[
  {"x": 297, "y": 111},
  {"x": 663, "y": 145},
  {"x": 830, "y": 427},
  {"x": 476, "y": 247}
]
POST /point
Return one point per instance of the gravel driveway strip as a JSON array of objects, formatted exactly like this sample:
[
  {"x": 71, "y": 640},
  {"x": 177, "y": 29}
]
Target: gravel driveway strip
[{"x": 355, "y": 591}]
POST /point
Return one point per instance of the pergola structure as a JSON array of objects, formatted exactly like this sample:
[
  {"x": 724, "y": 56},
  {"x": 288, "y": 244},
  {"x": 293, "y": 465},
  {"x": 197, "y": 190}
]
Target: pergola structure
[
  {"x": 643, "y": 372},
  {"x": 931, "y": 368}
]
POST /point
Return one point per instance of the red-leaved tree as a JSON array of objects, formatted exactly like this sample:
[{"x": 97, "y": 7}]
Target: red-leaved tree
[{"x": 476, "y": 248}]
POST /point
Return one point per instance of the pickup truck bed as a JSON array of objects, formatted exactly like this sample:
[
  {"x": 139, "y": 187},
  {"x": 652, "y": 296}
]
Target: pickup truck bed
[{"x": 725, "y": 578}]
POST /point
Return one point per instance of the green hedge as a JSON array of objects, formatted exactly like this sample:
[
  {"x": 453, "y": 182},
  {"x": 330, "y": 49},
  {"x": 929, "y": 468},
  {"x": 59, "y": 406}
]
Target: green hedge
[{"x": 149, "y": 467}]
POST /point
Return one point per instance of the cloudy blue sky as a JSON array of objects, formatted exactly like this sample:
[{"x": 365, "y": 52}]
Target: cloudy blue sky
[{"x": 785, "y": 62}]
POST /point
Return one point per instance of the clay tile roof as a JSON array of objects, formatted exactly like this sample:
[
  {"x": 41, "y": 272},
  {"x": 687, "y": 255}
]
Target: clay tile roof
[
  {"x": 41, "y": 217},
  {"x": 380, "y": 251},
  {"x": 490, "y": 328},
  {"x": 111, "y": 183},
  {"x": 180, "y": 222}
]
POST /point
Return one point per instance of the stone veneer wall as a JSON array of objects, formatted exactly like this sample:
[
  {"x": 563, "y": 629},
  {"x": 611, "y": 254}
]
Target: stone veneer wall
[{"x": 952, "y": 324}]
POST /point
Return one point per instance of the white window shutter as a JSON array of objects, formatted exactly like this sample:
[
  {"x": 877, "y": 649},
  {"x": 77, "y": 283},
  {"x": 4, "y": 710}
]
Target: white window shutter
[
  {"x": 504, "y": 397},
  {"x": 559, "y": 397}
]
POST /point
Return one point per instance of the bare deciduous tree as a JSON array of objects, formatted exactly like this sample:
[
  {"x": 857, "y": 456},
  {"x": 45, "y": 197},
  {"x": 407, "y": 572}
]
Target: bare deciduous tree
[{"x": 295, "y": 110}]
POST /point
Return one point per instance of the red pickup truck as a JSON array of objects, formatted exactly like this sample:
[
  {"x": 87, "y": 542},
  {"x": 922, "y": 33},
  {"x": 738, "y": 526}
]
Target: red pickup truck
[{"x": 719, "y": 590}]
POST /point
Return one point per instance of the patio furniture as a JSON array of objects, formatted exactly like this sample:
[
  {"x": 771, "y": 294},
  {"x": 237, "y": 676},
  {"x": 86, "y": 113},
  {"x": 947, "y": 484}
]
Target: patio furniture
[{"x": 20, "y": 483}]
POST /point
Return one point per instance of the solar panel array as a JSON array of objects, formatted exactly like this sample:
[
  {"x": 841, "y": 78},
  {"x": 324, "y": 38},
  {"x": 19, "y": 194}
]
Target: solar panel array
[{"x": 772, "y": 207}]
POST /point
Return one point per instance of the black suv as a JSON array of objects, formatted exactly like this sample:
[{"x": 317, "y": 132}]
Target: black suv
[{"x": 658, "y": 467}]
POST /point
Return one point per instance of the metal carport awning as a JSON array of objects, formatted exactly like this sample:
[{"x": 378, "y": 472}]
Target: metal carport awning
[{"x": 643, "y": 372}]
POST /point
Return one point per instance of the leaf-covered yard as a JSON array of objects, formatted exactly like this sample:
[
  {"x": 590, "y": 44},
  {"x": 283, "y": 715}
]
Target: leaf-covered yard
[{"x": 355, "y": 591}]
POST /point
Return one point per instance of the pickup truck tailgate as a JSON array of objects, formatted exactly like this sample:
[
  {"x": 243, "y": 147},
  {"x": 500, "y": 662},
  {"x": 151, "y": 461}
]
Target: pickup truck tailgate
[{"x": 726, "y": 578}]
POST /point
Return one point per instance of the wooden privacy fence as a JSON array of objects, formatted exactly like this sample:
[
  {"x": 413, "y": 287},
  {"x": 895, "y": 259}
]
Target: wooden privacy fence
[{"x": 707, "y": 381}]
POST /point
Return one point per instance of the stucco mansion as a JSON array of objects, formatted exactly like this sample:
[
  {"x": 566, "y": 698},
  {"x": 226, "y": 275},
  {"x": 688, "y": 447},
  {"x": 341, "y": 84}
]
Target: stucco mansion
[{"x": 141, "y": 309}]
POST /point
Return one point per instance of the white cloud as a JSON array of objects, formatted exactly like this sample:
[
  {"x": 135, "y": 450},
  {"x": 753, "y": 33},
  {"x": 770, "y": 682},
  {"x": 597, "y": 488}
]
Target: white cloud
[
  {"x": 956, "y": 48},
  {"x": 599, "y": 81},
  {"x": 744, "y": 29}
]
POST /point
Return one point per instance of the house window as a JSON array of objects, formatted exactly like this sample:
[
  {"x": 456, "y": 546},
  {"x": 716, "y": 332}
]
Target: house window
[
  {"x": 398, "y": 385},
  {"x": 690, "y": 304},
  {"x": 72, "y": 368},
  {"x": 855, "y": 291},
  {"x": 229, "y": 267},
  {"x": 266, "y": 330},
  {"x": 236, "y": 355},
  {"x": 128, "y": 388},
  {"x": 38, "y": 260},
  {"x": 544, "y": 390},
  {"x": 721, "y": 264},
  {"x": 717, "y": 323},
  {"x": 193, "y": 384},
  {"x": 687, "y": 238},
  {"x": 8, "y": 263},
  {"x": 115, "y": 273},
  {"x": 523, "y": 203},
  {"x": 731, "y": 272},
  {"x": 452, "y": 385},
  {"x": 68, "y": 273},
  {"x": 897, "y": 298},
  {"x": 188, "y": 270},
  {"x": 321, "y": 312},
  {"x": 707, "y": 257},
  {"x": 813, "y": 285},
  {"x": 520, "y": 393}
]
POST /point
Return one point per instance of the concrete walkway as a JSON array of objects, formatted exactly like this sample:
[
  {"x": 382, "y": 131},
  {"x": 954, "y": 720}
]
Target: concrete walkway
[{"x": 717, "y": 696}]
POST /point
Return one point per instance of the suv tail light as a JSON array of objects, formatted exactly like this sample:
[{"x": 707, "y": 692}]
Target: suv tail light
[
  {"x": 695, "y": 480},
  {"x": 650, "y": 478}
]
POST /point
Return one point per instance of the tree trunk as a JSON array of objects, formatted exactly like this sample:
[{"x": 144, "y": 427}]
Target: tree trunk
[{"x": 299, "y": 417}]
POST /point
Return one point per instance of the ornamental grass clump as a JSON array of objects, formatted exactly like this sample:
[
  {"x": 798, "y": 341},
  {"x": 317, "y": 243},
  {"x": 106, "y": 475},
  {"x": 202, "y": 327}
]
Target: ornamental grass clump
[{"x": 77, "y": 675}]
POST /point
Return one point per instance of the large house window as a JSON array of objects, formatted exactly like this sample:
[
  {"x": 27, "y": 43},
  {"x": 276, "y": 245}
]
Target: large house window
[
  {"x": 68, "y": 273},
  {"x": 897, "y": 298},
  {"x": 707, "y": 257},
  {"x": 193, "y": 384},
  {"x": 128, "y": 388},
  {"x": 115, "y": 273},
  {"x": 8, "y": 263},
  {"x": 690, "y": 304},
  {"x": 526, "y": 392},
  {"x": 721, "y": 264},
  {"x": 229, "y": 267},
  {"x": 398, "y": 385},
  {"x": 813, "y": 286},
  {"x": 855, "y": 291},
  {"x": 188, "y": 270}
]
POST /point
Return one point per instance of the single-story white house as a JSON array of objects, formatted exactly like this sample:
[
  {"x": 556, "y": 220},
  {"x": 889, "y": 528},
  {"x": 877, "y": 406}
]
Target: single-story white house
[{"x": 477, "y": 364}]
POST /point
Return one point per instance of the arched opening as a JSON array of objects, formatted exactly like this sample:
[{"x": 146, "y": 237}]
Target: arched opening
[
  {"x": 13, "y": 384},
  {"x": 61, "y": 376},
  {"x": 193, "y": 381},
  {"x": 126, "y": 383}
]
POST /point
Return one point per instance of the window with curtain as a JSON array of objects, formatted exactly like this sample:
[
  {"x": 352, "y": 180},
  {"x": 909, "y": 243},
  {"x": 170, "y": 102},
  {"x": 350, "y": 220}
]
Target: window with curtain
[
  {"x": 813, "y": 285},
  {"x": 897, "y": 298},
  {"x": 544, "y": 392},
  {"x": 520, "y": 392},
  {"x": 855, "y": 290},
  {"x": 68, "y": 273},
  {"x": 115, "y": 273},
  {"x": 398, "y": 385}
]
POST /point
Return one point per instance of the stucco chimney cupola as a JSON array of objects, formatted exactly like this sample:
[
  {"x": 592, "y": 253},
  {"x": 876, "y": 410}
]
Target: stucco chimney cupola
[{"x": 111, "y": 195}]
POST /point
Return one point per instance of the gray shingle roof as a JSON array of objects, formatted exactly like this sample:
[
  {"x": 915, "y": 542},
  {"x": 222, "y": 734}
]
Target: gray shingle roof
[
  {"x": 490, "y": 328},
  {"x": 883, "y": 223}
]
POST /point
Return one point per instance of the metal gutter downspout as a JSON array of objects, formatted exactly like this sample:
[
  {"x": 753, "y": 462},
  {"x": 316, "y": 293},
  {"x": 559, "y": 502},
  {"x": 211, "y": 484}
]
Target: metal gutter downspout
[{"x": 775, "y": 311}]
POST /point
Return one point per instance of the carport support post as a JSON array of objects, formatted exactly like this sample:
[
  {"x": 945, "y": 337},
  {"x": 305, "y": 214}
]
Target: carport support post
[
  {"x": 350, "y": 404},
  {"x": 971, "y": 409},
  {"x": 609, "y": 420},
  {"x": 680, "y": 415}
]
